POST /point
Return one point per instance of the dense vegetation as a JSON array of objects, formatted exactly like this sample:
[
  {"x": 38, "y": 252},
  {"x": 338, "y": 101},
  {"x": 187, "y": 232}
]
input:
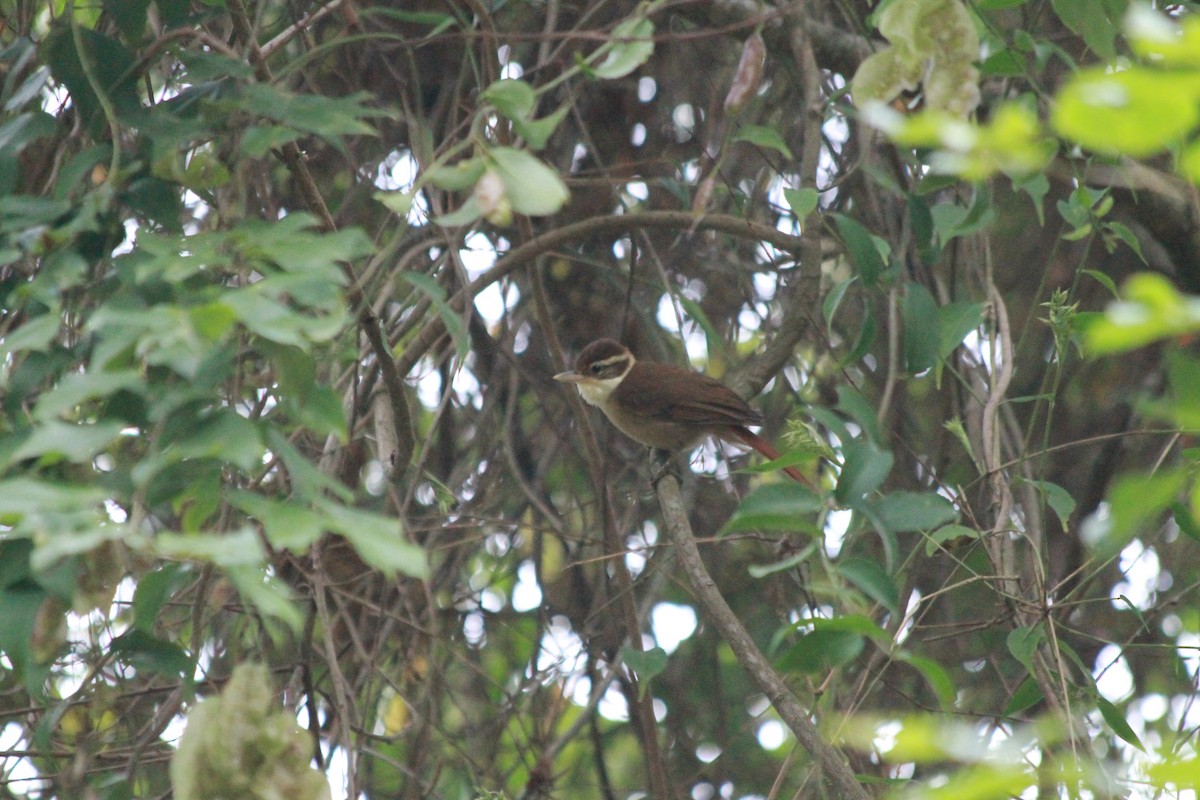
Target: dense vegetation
[{"x": 283, "y": 287}]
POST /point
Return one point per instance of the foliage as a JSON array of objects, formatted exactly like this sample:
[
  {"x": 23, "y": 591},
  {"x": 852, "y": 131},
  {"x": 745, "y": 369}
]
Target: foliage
[
  {"x": 281, "y": 291},
  {"x": 238, "y": 745}
]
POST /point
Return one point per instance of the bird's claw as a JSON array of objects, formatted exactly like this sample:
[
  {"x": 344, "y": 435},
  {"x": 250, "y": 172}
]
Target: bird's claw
[{"x": 660, "y": 465}]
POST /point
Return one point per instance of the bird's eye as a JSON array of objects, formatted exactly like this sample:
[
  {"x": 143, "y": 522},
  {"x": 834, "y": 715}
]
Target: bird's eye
[{"x": 595, "y": 369}]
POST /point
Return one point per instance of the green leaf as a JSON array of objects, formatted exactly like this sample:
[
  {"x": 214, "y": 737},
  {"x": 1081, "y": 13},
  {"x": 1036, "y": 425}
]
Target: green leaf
[
  {"x": 956, "y": 320},
  {"x": 331, "y": 118},
  {"x": 1120, "y": 726},
  {"x": 533, "y": 188},
  {"x": 852, "y": 623},
  {"x": 1004, "y": 63},
  {"x": 19, "y": 608},
  {"x": 71, "y": 536},
  {"x": 455, "y": 325},
  {"x": 1151, "y": 308},
  {"x": 935, "y": 675},
  {"x": 459, "y": 176},
  {"x": 113, "y": 68},
  {"x": 1184, "y": 774},
  {"x": 29, "y": 90},
  {"x": 629, "y": 47},
  {"x": 854, "y": 405},
  {"x": 956, "y": 428},
  {"x": 921, "y": 222},
  {"x": 868, "y": 576},
  {"x": 763, "y": 570},
  {"x": 861, "y": 247},
  {"x": 951, "y": 220},
  {"x": 152, "y": 592},
  {"x": 777, "y": 506},
  {"x": 1122, "y": 232},
  {"x": 1023, "y": 643},
  {"x": 34, "y": 335},
  {"x": 513, "y": 98},
  {"x": 130, "y": 16},
  {"x": 922, "y": 331},
  {"x": 238, "y": 548},
  {"x": 833, "y": 301},
  {"x": 802, "y": 202},
  {"x": 765, "y": 137},
  {"x": 466, "y": 214},
  {"x": 948, "y": 533},
  {"x": 1133, "y": 502},
  {"x": 1036, "y": 186},
  {"x": 1058, "y": 498},
  {"x": 1186, "y": 521},
  {"x": 1103, "y": 279},
  {"x": 821, "y": 651},
  {"x": 1090, "y": 20},
  {"x": 399, "y": 203},
  {"x": 1135, "y": 112},
  {"x": 1165, "y": 41},
  {"x": 911, "y": 511},
  {"x": 268, "y": 594},
  {"x": 147, "y": 653},
  {"x": 287, "y": 525},
  {"x": 306, "y": 480},
  {"x": 15, "y": 567},
  {"x": 295, "y": 244},
  {"x": 536, "y": 132},
  {"x": 78, "y": 444},
  {"x": 865, "y": 340},
  {"x": 645, "y": 663},
  {"x": 1026, "y": 696},
  {"x": 378, "y": 539},
  {"x": 864, "y": 468},
  {"x": 258, "y": 140},
  {"x": 23, "y": 129},
  {"x": 78, "y": 388},
  {"x": 20, "y": 497}
]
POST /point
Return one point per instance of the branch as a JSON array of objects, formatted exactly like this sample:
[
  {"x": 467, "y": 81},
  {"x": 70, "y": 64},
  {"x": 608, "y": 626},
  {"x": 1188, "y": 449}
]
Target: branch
[
  {"x": 832, "y": 761},
  {"x": 434, "y": 329}
]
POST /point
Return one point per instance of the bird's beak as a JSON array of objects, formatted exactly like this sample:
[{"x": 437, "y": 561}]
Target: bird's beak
[{"x": 568, "y": 377}]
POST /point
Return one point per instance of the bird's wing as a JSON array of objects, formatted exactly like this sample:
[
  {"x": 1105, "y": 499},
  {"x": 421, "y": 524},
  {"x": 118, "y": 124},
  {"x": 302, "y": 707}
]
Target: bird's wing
[{"x": 719, "y": 405}]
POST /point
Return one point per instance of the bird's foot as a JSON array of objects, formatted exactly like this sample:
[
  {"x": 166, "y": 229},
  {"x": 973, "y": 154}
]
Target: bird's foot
[{"x": 661, "y": 465}]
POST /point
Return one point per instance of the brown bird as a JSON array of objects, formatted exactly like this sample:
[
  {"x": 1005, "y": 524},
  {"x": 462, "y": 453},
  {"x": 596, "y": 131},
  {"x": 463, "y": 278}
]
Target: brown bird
[{"x": 664, "y": 406}]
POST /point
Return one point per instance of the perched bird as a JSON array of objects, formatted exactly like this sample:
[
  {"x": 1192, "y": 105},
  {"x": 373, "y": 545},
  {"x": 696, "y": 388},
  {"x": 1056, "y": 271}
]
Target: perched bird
[{"x": 663, "y": 406}]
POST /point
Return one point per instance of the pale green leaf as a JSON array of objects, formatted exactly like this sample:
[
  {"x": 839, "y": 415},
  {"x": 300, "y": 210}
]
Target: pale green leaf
[
  {"x": 378, "y": 539},
  {"x": 777, "y": 506},
  {"x": 802, "y": 201},
  {"x": 1135, "y": 112},
  {"x": 629, "y": 47},
  {"x": 533, "y": 187},
  {"x": 763, "y": 136}
]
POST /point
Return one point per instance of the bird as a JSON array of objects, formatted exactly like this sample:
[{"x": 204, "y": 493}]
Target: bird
[{"x": 663, "y": 406}]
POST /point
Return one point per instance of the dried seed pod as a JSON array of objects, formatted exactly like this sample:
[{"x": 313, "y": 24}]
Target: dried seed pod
[{"x": 748, "y": 76}]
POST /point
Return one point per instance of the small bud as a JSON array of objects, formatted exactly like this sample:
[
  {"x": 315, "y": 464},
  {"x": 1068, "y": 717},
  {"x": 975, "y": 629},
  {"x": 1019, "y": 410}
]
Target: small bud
[
  {"x": 493, "y": 200},
  {"x": 748, "y": 76}
]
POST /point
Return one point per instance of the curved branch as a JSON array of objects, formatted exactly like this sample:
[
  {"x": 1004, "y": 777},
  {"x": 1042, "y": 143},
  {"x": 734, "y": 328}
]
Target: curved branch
[
  {"x": 434, "y": 329},
  {"x": 832, "y": 761}
]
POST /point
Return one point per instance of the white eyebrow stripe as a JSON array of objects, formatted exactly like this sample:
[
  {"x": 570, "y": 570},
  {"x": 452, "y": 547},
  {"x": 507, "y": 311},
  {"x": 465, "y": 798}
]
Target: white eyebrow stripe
[{"x": 613, "y": 360}]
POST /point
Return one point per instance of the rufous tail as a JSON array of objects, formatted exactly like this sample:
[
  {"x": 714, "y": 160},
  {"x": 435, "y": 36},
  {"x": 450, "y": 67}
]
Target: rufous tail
[{"x": 752, "y": 439}]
